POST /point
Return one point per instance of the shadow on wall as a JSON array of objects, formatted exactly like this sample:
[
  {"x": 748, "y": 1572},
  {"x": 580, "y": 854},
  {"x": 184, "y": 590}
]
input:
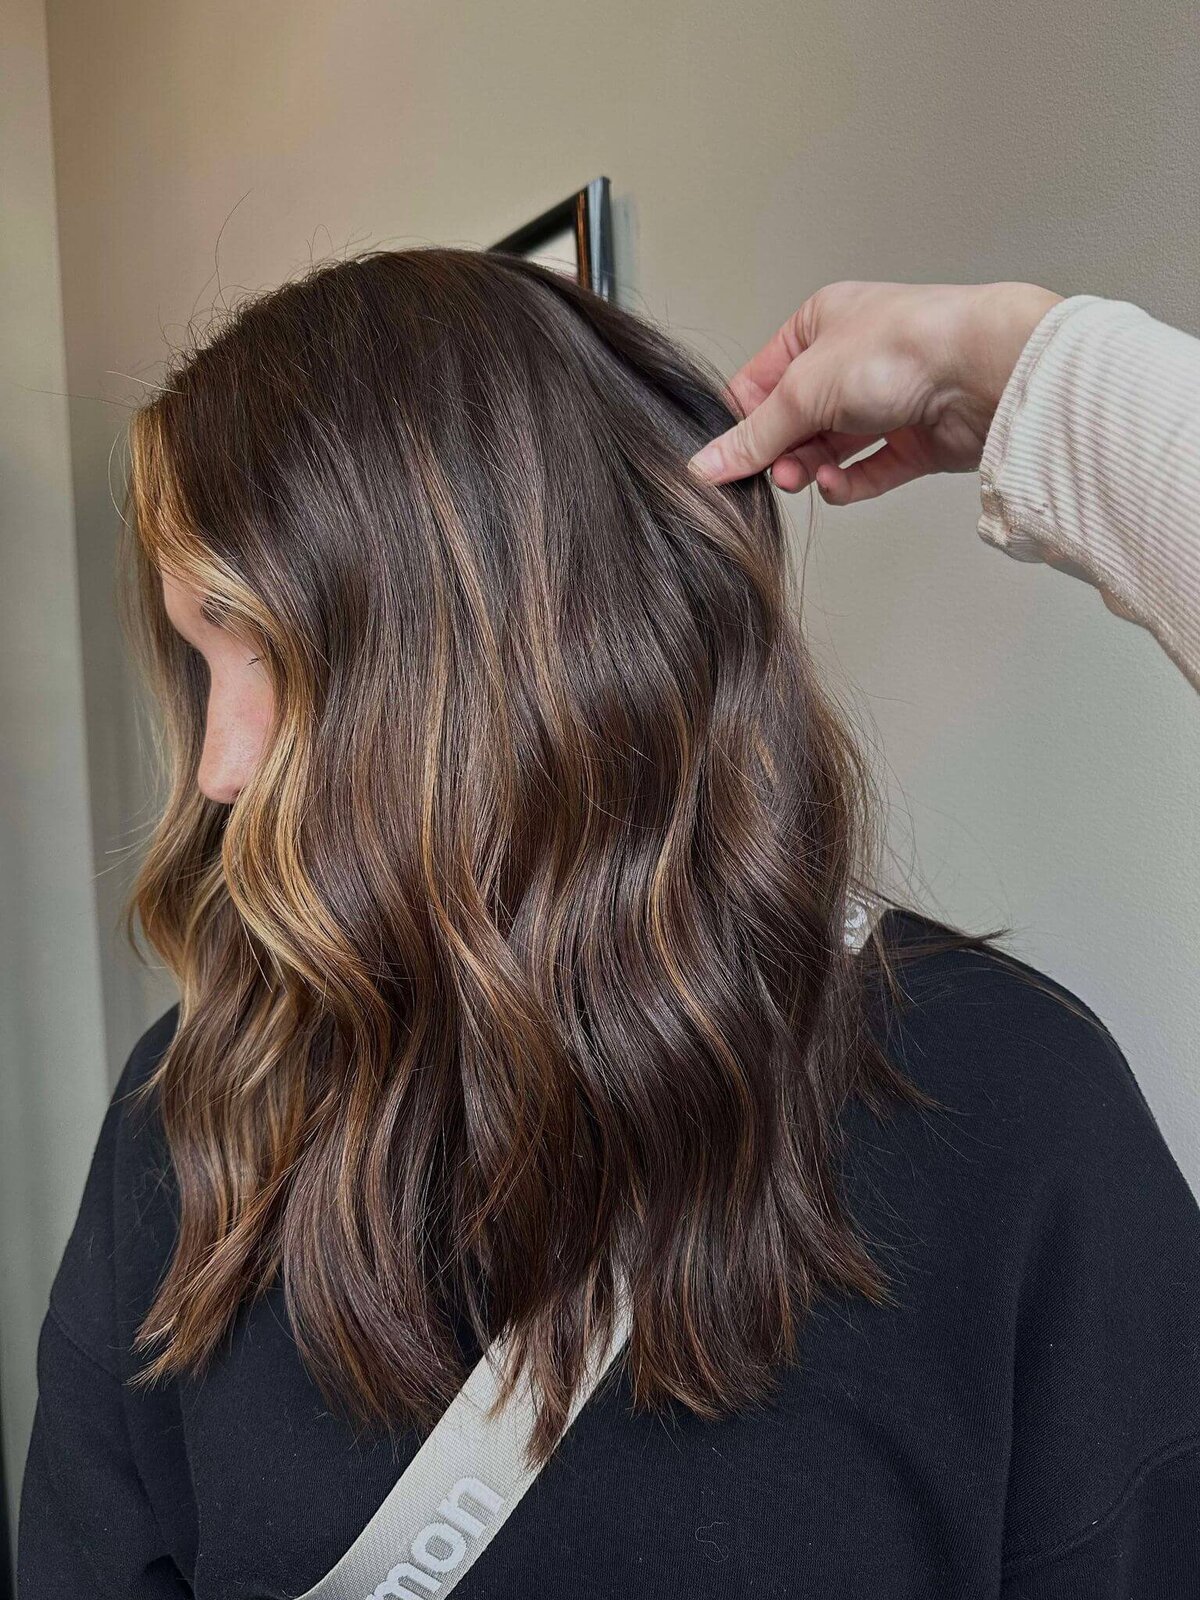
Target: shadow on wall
[{"x": 6, "y": 1567}]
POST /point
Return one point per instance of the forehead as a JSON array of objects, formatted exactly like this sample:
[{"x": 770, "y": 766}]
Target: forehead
[
  {"x": 178, "y": 597},
  {"x": 184, "y": 606}
]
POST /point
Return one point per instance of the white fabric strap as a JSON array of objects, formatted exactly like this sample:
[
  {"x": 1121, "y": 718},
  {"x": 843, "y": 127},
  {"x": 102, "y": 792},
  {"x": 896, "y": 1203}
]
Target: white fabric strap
[
  {"x": 470, "y": 1472},
  {"x": 457, "y": 1490}
]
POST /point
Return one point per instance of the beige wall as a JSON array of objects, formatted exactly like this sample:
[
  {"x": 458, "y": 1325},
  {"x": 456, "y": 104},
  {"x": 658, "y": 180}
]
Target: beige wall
[
  {"x": 53, "y": 1083},
  {"x": 1044, "y": 756}
]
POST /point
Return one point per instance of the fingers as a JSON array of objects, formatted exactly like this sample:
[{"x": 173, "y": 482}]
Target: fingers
[
  {"x": 751, "y": 384},
  {"x": 795, "y": 469},
  {"x": 788, "y": 416},
  {"x": 788, "y": 474},
  {"x": 900, "y": 460}
]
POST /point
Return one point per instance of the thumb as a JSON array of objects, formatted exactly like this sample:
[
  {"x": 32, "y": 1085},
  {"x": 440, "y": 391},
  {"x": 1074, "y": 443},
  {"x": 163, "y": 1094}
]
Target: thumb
[{"x": 786, "y": 418}]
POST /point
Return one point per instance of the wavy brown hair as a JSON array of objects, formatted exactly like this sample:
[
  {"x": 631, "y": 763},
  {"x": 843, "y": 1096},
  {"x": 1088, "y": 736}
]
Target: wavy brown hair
[{"x": 517, "y": 967}]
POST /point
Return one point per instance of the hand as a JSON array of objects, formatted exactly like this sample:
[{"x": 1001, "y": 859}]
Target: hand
[{"x": 920, "y": 366}]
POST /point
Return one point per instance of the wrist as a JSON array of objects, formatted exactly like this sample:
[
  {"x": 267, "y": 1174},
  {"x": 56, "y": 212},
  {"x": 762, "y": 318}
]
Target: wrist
[{"x": 999, "y": 320}]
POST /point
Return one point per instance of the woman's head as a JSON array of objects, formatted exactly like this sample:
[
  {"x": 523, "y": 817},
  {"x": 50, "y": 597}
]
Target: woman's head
[
  {"x": 508, "y": 846},
  {"x": 300, "y": 481}
]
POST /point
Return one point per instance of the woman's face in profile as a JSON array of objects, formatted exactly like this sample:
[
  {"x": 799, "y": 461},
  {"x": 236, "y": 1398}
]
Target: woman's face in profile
[{"x": 240, "y": 702}]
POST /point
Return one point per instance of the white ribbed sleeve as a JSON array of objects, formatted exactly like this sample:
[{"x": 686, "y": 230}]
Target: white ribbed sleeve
[{"x": 1093, "y": 459}]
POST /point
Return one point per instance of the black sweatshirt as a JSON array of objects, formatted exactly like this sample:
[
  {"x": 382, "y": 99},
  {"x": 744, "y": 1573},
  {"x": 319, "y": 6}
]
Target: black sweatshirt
[{"x": 1024, "y": 1423}]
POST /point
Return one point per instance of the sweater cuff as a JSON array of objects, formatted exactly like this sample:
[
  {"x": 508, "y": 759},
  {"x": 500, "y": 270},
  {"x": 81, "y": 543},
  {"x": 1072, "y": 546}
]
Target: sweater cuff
[
  {"x": 1093, "y": 463},
  {"x": 1015, "y": 528}
]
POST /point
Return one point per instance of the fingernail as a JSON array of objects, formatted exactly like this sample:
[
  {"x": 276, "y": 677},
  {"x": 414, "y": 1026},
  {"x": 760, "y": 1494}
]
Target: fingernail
[{"x": 705, "y": 462}]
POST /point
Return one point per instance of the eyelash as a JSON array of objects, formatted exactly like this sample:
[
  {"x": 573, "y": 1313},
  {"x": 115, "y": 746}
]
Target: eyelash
[{"x": 214, "y": 612}]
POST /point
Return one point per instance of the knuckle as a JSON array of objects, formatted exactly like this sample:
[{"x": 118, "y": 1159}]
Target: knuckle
[{"x": 745, "y": 453}]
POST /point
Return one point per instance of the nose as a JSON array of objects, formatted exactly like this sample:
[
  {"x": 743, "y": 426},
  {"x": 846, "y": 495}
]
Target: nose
[
  {"x": 223, "y": 793},
  {"x": 217, "y": 779},
  {"x": 232, "y": 744}
]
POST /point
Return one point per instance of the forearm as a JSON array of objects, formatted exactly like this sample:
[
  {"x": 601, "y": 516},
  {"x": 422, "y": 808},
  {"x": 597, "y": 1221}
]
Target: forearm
[{"x": 1093, "y": 458}]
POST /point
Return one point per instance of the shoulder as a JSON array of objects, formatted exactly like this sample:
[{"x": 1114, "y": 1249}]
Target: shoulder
[
  {"x": 84, "y": 1291},
  {"x": 131, "y": 1126},
  {"x": 1005, "y": 1042},
  {"x": 1053, "y": 1168},
  {"x": 147, "y": 1053}
]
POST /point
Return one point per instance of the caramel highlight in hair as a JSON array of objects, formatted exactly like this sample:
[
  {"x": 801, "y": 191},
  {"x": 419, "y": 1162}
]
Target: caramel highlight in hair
[{"x": 517, "y": 967}]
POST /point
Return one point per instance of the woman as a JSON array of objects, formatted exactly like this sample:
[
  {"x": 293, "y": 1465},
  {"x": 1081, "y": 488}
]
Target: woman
[{"x": 510, "y": 874}]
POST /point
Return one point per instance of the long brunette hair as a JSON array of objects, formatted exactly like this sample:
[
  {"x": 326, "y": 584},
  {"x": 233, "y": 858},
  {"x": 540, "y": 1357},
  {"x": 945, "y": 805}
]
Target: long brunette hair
[{"x": 517, "y": 967}]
